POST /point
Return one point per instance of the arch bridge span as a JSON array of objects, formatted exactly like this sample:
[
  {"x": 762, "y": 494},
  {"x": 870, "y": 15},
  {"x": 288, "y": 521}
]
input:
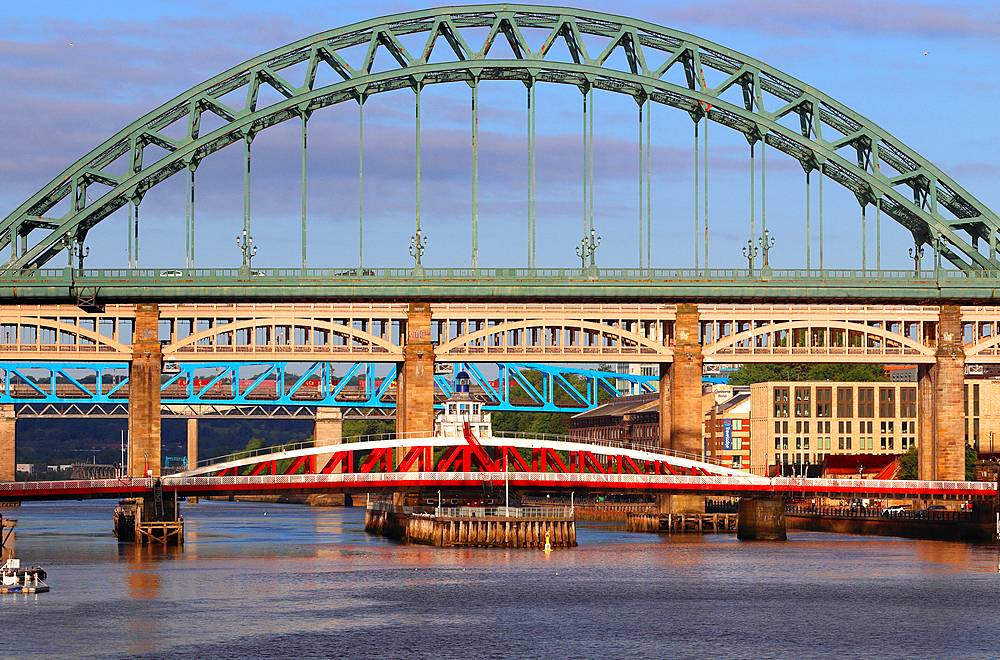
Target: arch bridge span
[
  {"x": 493, "y": 332},
  {"x": 549, "y": 45}
]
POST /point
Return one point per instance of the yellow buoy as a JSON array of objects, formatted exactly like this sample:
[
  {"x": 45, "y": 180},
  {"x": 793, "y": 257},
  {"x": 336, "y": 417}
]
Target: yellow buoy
[{"x": 548, "y": 545}]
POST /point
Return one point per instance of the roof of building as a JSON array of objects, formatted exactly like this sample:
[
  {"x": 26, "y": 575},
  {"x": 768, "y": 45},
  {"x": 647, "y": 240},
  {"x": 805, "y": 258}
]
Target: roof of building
[
  {"x": 624, "y": 405},
  {"x": 731, "y": 402}
]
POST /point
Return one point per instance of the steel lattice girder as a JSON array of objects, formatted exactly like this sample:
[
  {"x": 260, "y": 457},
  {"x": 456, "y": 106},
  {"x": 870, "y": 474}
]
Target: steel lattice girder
[
  {"x": 913, "y": 193},
  {"x": 317, "y": 385}
]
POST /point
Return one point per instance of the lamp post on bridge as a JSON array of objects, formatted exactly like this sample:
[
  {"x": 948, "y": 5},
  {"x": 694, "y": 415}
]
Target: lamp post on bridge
[
  {"x": 916, "y": 253},
  {"x": 588, "y": 246},
  {"x": 749, "y": 252},
  {"x": 417, "y": 246},
  {"x": 249, "y": 252},
  {"x": 766, "y": 242},
  {"x": 939, "y": 243}
]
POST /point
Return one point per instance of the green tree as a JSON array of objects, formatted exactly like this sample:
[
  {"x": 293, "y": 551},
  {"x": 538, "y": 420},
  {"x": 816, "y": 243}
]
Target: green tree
[
  {"x": 909, "y": 464},
  {"x": 356, "y": 427},
  {"x": 848, "y": 372},
  {"x": 971, "y": 456},
  {"x": 531, "y": 422},
  {"x": 750, "y": 373}
]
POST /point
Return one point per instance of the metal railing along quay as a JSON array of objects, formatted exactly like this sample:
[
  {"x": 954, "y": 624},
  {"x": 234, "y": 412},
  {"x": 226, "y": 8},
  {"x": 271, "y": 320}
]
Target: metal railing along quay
[
  {"x": 876, "y": 513},
  {"x": 532, "y": 513}
]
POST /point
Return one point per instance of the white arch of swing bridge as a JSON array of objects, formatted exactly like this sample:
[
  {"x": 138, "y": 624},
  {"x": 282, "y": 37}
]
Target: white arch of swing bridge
[{"x": 640, "y": 454}]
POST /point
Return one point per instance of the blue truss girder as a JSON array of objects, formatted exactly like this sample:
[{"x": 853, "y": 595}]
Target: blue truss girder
[{"x": 316, "y": 386}]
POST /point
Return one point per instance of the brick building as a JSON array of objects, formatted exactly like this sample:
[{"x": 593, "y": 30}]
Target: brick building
[
  {"x": 727, "y": 431},
  {"x": 801, "y": 423}
]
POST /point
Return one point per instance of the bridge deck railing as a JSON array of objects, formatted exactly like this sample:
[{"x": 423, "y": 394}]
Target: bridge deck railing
[{"x": 177, "y": 275}]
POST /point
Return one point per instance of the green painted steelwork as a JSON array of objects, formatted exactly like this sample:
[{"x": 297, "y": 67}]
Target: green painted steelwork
[
  {"x": 507, "y": 284},
  {"x": 856, "y": 153}
]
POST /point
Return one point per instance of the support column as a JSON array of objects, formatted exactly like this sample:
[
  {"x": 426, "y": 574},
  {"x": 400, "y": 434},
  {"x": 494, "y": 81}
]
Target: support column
[
  {"x": 685, "y": 386},
  {"x": 415, "y": 384},
  {"x": 328, "y": 430},
  {"x": 8, "y": 420},
  {"x": 144, "y": 393},
  {"x": 681, "y": 418},
  {"x": 415, "y": 381},
  {"x": 761, "y": 520},
  {"x": 192, "y": 446},
  {"x": 666, "y": 405},
  {"x": 942, "y": 431}
]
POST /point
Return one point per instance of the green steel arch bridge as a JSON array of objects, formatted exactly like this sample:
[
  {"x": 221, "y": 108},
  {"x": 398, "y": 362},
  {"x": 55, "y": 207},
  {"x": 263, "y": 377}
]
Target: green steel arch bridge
[
  {"x": 597, "y": 54},
  {"x": 549, "y": 45}
]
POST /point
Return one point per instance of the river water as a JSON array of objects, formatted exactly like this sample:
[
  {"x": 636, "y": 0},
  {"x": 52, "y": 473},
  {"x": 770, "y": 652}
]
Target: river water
[{"x": 285, "y": 581}]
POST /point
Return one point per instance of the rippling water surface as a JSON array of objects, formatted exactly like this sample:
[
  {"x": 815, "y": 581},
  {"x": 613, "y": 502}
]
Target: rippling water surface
[{"x": 285, "y": 581}]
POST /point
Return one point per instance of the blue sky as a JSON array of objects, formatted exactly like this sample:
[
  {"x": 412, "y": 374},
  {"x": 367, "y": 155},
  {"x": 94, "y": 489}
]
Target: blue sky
[{"x": 72, "y": 74}]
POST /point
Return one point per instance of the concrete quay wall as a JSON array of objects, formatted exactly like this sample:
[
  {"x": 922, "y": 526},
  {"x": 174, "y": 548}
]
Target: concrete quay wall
[{"x": 936, "y": 530}]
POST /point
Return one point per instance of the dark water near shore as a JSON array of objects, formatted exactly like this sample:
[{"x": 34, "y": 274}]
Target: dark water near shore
[{"x": 308, "y": 583}]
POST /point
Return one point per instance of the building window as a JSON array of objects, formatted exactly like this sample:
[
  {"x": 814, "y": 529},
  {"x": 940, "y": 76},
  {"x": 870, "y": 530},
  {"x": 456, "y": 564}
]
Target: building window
[
  {"x": 866, "y": 402},
  {"x": 845, "y": 402},
  {"x": 907, "y": 402},
  {"x": 777, "y": 443},
  {"x": 777, "y": 426},
  {"x": 805, "y": 443},
  {"x": 840, "y": 443},
  {"x": 824, "y": 405},
  {"x": 781, "y": 402},
  {"x": 798, "y": 443},
  {"x": 737, "y": 424},
  {"x": 803, "y": 396},
  {"x": 886, "y": 402}
]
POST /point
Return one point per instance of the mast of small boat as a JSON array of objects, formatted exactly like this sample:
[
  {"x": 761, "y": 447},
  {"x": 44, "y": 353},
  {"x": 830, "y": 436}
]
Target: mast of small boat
[{"x": 5, "y": 533}]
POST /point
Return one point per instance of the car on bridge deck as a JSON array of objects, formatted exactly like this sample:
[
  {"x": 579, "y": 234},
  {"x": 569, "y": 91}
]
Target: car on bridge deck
[
  {"x": 897, "y": 510},
  {"x": 171, "y": 272}
]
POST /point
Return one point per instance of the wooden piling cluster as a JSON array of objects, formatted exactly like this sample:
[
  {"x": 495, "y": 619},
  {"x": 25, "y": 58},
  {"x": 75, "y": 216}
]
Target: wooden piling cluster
[
  {"x": 162, "y": 532},
  {"x": 490, "y": 532},
  {"x": 131, "y": 526},
  {"x": 681, "y": 523}
]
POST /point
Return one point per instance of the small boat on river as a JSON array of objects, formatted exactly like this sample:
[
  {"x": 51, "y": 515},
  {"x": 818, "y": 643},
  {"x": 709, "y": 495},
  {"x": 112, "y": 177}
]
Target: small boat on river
[
  {"x": 17, "y": 580},
  {"x": 13, "y": 578}
]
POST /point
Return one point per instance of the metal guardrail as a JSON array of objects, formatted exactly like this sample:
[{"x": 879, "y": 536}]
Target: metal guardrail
[
  {"x": 172, "y": 275},
  {"x": 535, "y": 512},
  {"x": 875, "y": 513},
  {"x": 549, "y": 479}
]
